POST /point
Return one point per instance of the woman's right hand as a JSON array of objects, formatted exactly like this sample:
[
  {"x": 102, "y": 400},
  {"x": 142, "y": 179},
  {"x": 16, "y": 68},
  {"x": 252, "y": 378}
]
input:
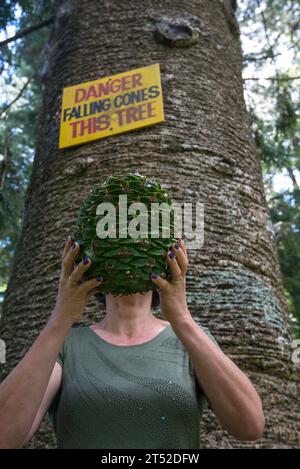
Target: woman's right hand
[{"x": 72, "y": 296}]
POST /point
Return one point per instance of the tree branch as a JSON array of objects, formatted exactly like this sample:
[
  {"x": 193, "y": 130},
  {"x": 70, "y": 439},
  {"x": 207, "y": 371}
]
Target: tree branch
[
  {"x": 5, "y": 161},
  {"x": 254, "y": 57},
  {"x": 27, "y": 31},
  {"x": 16, "y": 98},
  {"x": 293, "y": 178},
  {"x": 273, "y": 78}
]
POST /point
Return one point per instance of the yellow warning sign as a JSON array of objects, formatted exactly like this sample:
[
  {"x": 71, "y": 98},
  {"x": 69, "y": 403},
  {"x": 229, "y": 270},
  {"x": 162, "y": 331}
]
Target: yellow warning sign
[{"x": 111, "y": 105}]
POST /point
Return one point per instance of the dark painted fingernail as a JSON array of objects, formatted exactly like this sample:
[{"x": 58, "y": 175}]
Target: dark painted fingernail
[
  {"x": 99, "y": 278},
  {"x": 171, "y": 255},
  {"x": 154, "y": 276},
  {"x": 74, "y": 245},
  {"x": 85, "y": 261},
  {"x": 177, "y": 246}
]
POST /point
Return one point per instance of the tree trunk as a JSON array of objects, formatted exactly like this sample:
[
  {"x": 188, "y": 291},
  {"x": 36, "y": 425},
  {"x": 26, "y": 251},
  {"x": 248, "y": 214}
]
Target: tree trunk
[{"x": 203, "y": 151}]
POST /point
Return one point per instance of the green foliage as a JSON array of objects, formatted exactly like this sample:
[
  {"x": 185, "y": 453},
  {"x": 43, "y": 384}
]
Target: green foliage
[
  {"x": 273, "y": 106},
  {"x": 286, "y": 217},
  {"x": 20, "y": 81}
]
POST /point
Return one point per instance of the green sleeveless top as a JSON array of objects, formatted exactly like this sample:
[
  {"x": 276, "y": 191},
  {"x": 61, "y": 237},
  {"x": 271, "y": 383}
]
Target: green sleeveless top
[{"x": 127, "y": 396}]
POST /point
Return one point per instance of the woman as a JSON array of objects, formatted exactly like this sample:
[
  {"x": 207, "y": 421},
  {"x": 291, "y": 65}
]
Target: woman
[{"x": 130, "y": 381}]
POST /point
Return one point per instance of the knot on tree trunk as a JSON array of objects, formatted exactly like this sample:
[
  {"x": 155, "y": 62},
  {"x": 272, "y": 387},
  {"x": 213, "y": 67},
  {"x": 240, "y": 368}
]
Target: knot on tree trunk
[
  {"x": 78, "y": 166},
  {"x": 176, "y": 32}
]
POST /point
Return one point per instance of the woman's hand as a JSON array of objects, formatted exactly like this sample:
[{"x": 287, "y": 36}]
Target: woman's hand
[
  {"x": 72, "y": 296},
  {"x": 172, "y": 292}
]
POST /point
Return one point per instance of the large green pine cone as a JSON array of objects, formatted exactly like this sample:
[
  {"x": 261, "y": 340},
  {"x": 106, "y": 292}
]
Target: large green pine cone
[{"x": 124, "y": 263}]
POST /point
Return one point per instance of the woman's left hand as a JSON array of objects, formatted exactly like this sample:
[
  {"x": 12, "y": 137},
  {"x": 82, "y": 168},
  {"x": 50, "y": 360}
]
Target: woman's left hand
[{"x": 172, "y": 293}]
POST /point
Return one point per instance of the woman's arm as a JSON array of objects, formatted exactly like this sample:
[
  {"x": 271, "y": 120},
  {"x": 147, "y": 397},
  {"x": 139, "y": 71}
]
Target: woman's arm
[
  {"x": 22, "y": 391},
  {"x": 232, "y": 396},
  {"x": 50, "y": 393}
]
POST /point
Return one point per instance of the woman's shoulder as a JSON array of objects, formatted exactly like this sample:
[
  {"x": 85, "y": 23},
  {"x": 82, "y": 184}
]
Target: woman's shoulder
[
  {"x": 75, "y": 332},
  {"x": 78, "y": 328}
]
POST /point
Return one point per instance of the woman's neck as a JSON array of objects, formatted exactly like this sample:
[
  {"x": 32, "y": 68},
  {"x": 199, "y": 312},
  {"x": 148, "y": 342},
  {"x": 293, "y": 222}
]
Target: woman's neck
[{"x": 129, "y": 316}]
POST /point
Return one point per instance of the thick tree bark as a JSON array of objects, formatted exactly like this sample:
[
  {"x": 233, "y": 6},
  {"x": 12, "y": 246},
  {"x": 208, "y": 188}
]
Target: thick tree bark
[{"x": 204, "y": 152}]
